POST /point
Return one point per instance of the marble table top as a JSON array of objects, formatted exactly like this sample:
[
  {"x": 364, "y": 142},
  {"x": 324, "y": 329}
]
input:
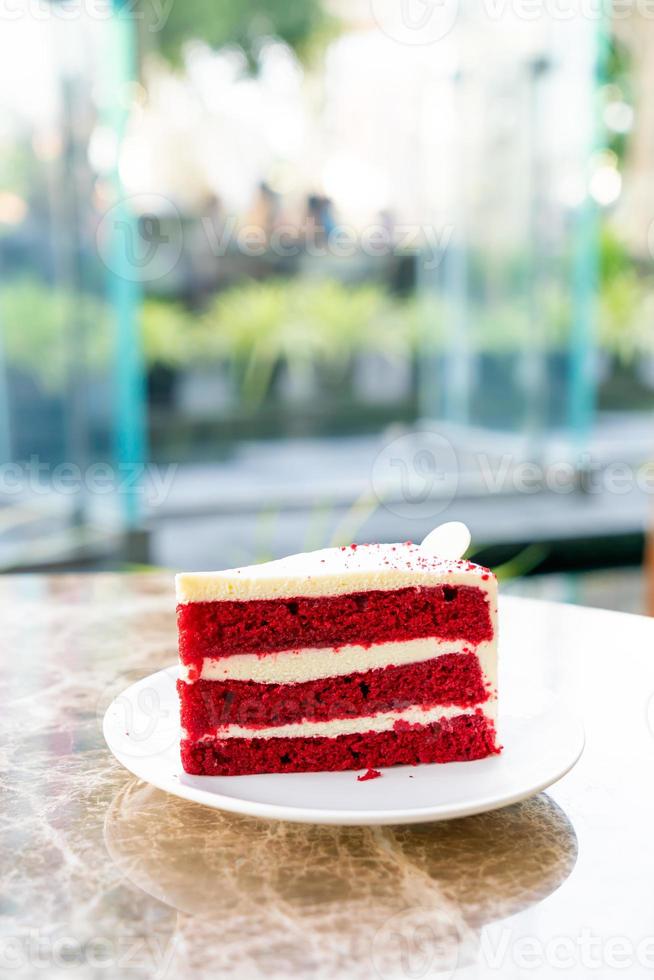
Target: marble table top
[{"x": 104, "y": 876}]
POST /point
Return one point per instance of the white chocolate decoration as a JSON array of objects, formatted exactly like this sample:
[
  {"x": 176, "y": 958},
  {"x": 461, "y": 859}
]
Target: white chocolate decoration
[{"x": 450, "y": 540}]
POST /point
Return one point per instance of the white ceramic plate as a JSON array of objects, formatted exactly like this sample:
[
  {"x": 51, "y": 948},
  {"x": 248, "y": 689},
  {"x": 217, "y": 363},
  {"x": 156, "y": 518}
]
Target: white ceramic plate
[{"x": 541, "y": 743}]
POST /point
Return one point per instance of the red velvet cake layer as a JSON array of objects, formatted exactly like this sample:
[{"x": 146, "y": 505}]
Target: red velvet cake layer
[
  {"x": 452, "y": 678},
  {"x": 459, "y": 739},
  {"x": 218, "y": 629}
]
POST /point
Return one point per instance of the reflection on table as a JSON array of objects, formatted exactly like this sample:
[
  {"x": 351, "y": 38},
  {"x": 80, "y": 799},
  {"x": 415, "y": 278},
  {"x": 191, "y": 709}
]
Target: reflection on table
[{"x": 273, "y": 899}]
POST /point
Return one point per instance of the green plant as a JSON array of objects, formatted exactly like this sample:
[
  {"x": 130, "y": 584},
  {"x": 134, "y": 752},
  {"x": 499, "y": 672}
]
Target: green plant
[
  {"x": 614, "y": 258},
  {"x": 245, "y": 24},
  {"x": 303, "y": 324},
  {"x": 248, "y": 326},
  {"x": 626, "y": 299},
  {"x": 171, "y": 336},
  {"x": 527, "y": 560},
  {"x": 40, "y": 326},
  {"x": 620, "y": 308}
]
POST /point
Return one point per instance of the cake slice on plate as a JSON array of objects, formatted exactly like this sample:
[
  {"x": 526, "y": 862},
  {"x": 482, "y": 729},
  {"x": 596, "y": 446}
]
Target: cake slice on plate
[{"x": 347, "y": 658}]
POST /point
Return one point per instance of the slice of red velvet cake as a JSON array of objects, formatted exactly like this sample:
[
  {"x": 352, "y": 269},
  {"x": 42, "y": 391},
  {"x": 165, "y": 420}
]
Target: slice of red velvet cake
[{"x": 346, "y": 658}]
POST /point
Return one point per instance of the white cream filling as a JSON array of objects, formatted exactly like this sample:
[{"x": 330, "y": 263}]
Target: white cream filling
[
  {"x": 299, "y": 666},
  {"x": 382, "y": 722},
  {"x": 333, "y": 571}
]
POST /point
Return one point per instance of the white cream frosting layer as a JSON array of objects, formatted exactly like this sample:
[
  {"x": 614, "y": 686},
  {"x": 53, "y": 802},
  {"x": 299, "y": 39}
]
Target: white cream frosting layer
[
  {"x": 382, "y": 722},
  {"x": 333, "y": 571},
  {"x": 299, "y": 666}
]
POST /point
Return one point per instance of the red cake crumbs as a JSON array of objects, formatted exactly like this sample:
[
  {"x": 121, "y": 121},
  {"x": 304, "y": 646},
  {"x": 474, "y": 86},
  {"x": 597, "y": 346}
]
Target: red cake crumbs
[
  {"x": 459, "y": 739},
  {"x": 218, "y": 629},
  {"x": 368, "y": 774},
  {"x": 451, "y": 678}
]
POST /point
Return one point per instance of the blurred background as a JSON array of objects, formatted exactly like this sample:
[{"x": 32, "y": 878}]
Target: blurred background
[{"x": 277, "y": 276}]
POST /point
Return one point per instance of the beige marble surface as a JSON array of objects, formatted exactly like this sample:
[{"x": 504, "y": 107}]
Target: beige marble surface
[{"x": 102, "y": 875}]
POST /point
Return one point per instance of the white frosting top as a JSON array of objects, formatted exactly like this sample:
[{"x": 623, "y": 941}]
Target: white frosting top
[{"x": 333, "y": 571}]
